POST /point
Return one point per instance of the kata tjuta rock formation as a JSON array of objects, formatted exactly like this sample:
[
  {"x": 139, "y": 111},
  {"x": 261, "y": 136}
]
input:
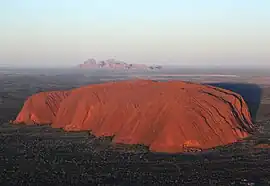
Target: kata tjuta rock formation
[
  {"x": 166, "y": 116},
  {"x": 114, "y": 64}
]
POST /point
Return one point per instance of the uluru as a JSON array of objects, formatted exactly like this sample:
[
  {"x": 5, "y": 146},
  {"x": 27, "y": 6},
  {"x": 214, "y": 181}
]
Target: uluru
[{"x": 170, "y": 116}]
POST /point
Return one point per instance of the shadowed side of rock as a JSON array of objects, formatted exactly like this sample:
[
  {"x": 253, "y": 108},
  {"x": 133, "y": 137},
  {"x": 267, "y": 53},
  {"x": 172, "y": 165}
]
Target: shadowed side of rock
[{"x": 251, "y": 93}]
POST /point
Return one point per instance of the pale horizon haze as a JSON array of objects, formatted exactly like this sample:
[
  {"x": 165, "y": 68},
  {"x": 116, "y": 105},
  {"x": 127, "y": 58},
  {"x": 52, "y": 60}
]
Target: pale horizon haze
[{"x": 54, "y": 33}]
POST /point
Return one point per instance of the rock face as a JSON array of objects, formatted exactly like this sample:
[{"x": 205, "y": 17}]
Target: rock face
[
  {"x": 170, "y": 116},
  {"x": 41, "y": 108},
  {"x": 114, "y": 64}
]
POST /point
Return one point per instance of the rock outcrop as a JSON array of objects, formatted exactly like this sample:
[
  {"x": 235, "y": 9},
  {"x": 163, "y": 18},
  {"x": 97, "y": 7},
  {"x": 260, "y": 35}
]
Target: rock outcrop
[
  {"x": 41, "y": 108},
  {"x": 114, "y": 64},
  {"x": 169, "y": 116}
]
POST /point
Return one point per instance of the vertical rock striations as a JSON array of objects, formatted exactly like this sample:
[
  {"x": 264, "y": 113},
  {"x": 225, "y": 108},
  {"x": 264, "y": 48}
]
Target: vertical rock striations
[{"x": 41, "y": 108}]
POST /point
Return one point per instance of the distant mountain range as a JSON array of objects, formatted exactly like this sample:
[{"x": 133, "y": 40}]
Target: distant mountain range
[{"x": 114, "y": 64}]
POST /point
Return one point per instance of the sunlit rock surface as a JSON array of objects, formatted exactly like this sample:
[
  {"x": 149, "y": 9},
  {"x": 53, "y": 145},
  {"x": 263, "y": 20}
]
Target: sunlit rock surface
[{"x": 169, "y": 116}]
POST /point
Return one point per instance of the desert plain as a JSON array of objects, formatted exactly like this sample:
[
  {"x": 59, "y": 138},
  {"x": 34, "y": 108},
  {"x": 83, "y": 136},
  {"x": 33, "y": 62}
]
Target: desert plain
[{"x": 41, "y": 155}]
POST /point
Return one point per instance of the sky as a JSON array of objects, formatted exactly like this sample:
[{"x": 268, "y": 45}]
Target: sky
[{"x": 176, "y": 32}]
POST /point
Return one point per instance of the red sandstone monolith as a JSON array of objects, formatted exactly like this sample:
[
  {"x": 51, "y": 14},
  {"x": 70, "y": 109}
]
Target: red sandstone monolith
[
  {"x": 41, "y": 108},
  {"x": 166, "y": 116}
]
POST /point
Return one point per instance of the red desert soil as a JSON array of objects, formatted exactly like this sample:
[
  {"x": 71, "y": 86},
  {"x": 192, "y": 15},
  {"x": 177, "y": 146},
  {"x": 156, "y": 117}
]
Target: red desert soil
[
  {"x": 264, "y": 146},
  {"x": 166, "y": 116}
]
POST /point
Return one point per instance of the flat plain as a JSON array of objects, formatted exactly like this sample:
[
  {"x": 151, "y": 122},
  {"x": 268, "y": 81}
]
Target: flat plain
[{"x": 40, "y": 155}]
